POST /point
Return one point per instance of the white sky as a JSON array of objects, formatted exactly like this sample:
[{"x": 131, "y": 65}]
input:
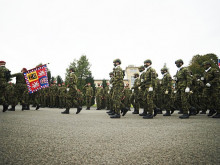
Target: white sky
[{"x": 59, "y": 31}]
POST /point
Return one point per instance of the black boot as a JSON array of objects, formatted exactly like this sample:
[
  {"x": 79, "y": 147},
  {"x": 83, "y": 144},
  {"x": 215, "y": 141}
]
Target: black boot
[
  {"x": 167, "y": 113},
  {"x": 125, "y": 110},
  {"x": 211, "y": 112},
  {"x": 203, "y": 112},
  {"x": 135, "y": 111},
  {"x": 184, "y": 116},
  {"x": 149, "y": 116},
  {"x": 28, "y": 107},
  {"x": 78, "y": 110},
  {"x": 115, "y": 116},
  {"x": 67, "y": 111},
  {"x": 143, "y": 114},
  {"x": 23, "y": 107},
  {"x": 159, "y": 111},
  {"x": 12, "y": 108},
  {"x": 172, "y": 110},
  {"x": 192, "y": 111},
  {"x": 156, "y": 111},
  {"x": 180, "y": 112},
  {"x": 217, "y": 115},
  {"x": 112, "y": 113},
  {"x": 5, "y": 108},
  {"x": 88, "y": 108},
  {"x": 37, "y": 107}
]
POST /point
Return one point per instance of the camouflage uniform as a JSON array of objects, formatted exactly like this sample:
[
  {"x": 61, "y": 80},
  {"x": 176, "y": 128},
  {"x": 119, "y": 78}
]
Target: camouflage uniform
[
  {"x": 10, "y": 96},
  {"x": 71, "y": 95},
  {"x": 99, "y": 96},
  {"x": 183, "y": 84},
  {"x": 89, "y": 95},
  {"x": 127, "y": 94},
  {"x": 21, "y": 90},
  {"x": 166, "y": 88},
  {"x": 118, "y": 87},
  {"x": 134, "y": 97},
  {"x": 211, "y": 91},
  {"x": 61, "y": 95},
  {"x": 149, "y": 83},
  {"x": 4, "y": 78}
]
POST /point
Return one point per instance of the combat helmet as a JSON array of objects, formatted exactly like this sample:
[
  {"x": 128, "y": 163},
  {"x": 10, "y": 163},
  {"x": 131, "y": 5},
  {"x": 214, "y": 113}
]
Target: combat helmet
[
  {"x": 148, "y": 61},
  {"x": 117, "y": 60},
  {"x": 179, "y": 61}
]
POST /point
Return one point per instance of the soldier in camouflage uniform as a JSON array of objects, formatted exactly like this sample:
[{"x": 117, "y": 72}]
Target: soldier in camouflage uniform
[
  {"x": 110, "y": 100},
  {"x": 62, "y": 94},
  {"x": 148, "y": 81},
  {"x": 127, "y": 95},
  {"x": 99, "y": 96},
  {"x": 4, "y": 78},
  {"x": 89, "y": 95},
  {"x": 211, "y": 79},
  {"x": 21, "y": 89},
  {"x": 183, "y": 84},
  {"x": 134, "y": 97},
  {"x": 158, "y": 96},
  {"x": 141, "y": 89},
  {"x": 118, "y": 87},
  {"x": 10, "y": 96},
  {"x": 166, "y": 85},
  {"x": 71, "y": 96},
  {"x": 107, "y": 96}
]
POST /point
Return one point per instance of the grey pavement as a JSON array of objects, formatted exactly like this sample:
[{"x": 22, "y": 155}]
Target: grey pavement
[{"x": 91, "y": 137}]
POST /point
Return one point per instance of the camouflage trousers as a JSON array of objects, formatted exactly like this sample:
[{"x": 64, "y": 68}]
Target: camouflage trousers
[
  {"x": 148, "y": 101},
  {"x": 88, "y": 101},
  {"x": 117, "y": 97},
  {"x": 182, "y": 99},
  {"x": 134, "y": 100}
]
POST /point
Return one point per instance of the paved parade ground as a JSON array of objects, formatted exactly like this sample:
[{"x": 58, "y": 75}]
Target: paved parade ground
[{"x": 91, "y": 137}]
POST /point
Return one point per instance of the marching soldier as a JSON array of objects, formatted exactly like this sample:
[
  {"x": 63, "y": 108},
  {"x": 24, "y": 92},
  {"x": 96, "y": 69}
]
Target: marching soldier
[
  {"x": 166, "y": 85},
  {"x": 118, "y": 87},
  {"x": 211, "y": 90},
  {"x": 21, "y": 89},
  {"x": 71, "y": 96},
  {"x": 99, "y": 96},
  {"x": 149, "y": 80},
  {"x": 4, "y": 78},
  {"x": 89, "y": 95},
  {"x": 183, "y": 84},
  {"x": 134, "y": 97}
]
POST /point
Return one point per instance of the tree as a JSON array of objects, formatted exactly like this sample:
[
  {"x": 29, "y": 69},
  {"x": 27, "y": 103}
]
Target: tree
[
  {"x": 197, "y": 60},
  {"x": 82, "y": 70},
  {"x": 59, "y": 80}
]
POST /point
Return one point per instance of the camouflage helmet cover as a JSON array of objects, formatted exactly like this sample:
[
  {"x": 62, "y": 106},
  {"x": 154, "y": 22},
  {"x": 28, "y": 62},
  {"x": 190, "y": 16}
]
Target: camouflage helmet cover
[
  {"x": 117, "y": 60},
  {"x": 148, "y": 61},
  {"x": 179, "y": 61}
]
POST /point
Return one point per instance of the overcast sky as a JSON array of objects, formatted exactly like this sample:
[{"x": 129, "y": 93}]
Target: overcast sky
[{"x": 59, "y": 31}]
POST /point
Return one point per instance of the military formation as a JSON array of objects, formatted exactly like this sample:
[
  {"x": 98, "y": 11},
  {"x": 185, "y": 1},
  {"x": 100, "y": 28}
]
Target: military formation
[{"x": 189, "y": 94}]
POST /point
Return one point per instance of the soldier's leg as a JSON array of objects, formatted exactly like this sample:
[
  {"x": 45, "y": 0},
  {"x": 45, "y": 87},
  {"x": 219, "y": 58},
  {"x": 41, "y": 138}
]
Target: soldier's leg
[{"x": 150, "y": 105}]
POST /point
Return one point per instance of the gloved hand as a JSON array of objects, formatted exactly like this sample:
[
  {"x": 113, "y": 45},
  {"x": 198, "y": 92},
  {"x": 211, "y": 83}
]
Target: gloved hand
[
  {"x": 67, "y": 89},
  {"x": 202, "y": 78},
  {"x": 174, "y": 91},
  {"x": 208, "y": 85},
  {"x": 142, "y": 80},
  {"x": 187, "y": 90},
  {"x": 150, "y": 89},
  {"x": 166, "y": 92}
]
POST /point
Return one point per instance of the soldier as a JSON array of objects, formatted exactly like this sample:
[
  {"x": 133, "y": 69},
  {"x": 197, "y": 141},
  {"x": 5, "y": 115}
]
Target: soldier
[
  {"x": 110, "y": 95},
  {"x": 166, "y": 85},
  {"x": 149, "y": 80},
  {"x": 99, "y": 96},
  {"x": 183, "y": 84},
  {"x": 61, "y": 94},
  {"x": 71, "y": 98},
  {"x": 134, "y": 97},
  {"x": 107, "y": 95},
  {"x": 141, "y": 89},
  {"x": 89, "y": 95},
  {"x": 118, "y": 86},
  {"x": 10, "y": 96},
  {"x": 4, "y": 78},
  {"x": 21, "y": 89},
  {"x": 211, "y": 79},
  {"x": 127, "y": 94}
]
